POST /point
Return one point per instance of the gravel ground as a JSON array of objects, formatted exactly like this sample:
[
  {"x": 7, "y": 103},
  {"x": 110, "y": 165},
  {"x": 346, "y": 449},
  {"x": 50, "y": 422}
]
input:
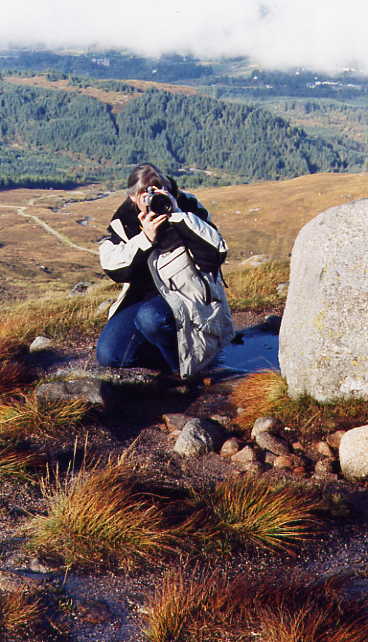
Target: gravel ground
[{"x": 108, "y": 607}]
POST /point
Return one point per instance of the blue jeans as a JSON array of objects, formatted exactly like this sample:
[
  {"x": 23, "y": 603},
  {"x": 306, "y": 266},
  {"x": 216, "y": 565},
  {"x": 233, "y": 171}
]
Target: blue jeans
[{"x": 142, "y": 334}]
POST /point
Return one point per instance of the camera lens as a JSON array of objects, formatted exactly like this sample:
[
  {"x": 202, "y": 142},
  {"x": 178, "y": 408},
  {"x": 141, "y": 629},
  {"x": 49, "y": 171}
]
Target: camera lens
[{"x": 160, "y": 204}]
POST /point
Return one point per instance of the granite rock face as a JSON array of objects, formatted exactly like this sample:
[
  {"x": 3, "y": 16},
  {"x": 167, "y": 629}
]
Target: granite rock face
[{"x": 323, "y": 335}]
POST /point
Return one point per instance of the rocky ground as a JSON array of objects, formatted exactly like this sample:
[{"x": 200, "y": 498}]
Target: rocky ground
[{"x": 148, "y": 414}]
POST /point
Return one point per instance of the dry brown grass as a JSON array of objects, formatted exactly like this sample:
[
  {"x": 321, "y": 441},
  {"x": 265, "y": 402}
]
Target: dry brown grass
[
  {"x": 315, "y": 612},
  {"x": 256, "y": 287},
  {"x": 265, "y": 393},
  {"x": 13, "y": 376},
  {"x": 16, "y": 463},
  {"x": 250, "y": 511},
  {"x": 18, "y": 611},
  {"x": 99, "y": 517},
  {"x": 192, "y": 606},
  {"x": 265, "y": 217},
  {"x": 58, "y": 317},
  {"x": 29, "y": 416}
]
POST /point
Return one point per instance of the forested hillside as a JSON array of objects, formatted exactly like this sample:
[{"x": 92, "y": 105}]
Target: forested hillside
[
  {"x": 244, "y": 140},
  {"x": 65, "y": 137}
]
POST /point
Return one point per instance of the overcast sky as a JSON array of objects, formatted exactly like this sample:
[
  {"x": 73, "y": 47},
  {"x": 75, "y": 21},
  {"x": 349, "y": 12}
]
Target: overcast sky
[{"x": 323, "y": 34}]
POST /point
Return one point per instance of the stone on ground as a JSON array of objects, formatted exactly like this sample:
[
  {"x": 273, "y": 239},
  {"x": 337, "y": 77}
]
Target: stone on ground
[
  {"x": 353, "y": 453},
  {"x": 230, "y": 447},
  {"x": 274, "y": 444},
  {"x": 265, "y": 424},
  {"x": 40, "y": 343},
  {"x": 198, "y": 437},
  {"x": 244, "y": 457},
  {"x": 323, "y": 336}
]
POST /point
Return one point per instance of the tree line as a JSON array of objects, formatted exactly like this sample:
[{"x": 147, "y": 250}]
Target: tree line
[{"x": 77, "y": 138}]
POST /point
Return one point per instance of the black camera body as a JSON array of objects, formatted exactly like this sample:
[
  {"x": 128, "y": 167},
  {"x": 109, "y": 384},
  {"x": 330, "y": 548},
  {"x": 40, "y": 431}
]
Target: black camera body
[{"x": 157, "y": 202}]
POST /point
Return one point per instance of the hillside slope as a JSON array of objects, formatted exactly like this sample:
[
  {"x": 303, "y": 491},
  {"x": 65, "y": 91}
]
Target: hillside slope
[
  {"x": 262, "y": 218},
  {"x": 55, "y": 138}
]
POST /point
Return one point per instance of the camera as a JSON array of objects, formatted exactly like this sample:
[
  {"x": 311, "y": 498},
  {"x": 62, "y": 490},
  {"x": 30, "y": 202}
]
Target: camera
[{"x": 157, "y": 202}]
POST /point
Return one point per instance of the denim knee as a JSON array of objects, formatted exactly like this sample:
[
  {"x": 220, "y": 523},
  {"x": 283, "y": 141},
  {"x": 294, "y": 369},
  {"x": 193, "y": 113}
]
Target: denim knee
[
  {"x": 105, "y": 354},
  {"x": 150, "y": 321}
]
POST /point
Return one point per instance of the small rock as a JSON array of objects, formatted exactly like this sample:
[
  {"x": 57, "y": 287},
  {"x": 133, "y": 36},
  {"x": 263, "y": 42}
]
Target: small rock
[
  {"x": 40, "y": 343},
  {"x": 276, "y": 445},
  {"x": 87, "y": 389},
  {"x": 265, "y": 424},
  {"x": 104, "y": 307},
  {"x": 80, "y": 288},
  {"x": 230, "y": 447},
  {"x": 223, "y": 420},
  {"x": 282, "y": 289},
  {"x": 324, "y": 449},
  {"x": 83, "y": 221},
  {"x": 297, "y": 446},
  {"x": 256, "y": 260},
  {"x": 242, "y": 458},
  {"x": 175, "y": 421},
  {"x": 353, "y": 453},
  {"x": 197, "y": 438},
  {"x": 38, "y": 567},
  {"x": 284, "y": 461},
  {"x": 323, "y": 467},
  {"x": 334, "y": 438},
  {"x": 299, "y": 471},
  {"x": 270, "y": 458}
]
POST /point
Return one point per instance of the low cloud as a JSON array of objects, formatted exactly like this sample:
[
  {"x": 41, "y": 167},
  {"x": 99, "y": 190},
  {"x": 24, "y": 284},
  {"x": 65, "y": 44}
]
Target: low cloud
[{"x": 324, "y": 35}]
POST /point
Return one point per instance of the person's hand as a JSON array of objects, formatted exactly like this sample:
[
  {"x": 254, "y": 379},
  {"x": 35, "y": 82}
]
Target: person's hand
[{"x": 151, "y": 223}]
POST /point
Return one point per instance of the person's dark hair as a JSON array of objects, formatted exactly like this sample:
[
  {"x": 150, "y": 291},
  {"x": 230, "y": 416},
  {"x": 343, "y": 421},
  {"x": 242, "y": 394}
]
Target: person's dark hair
[{"x": 145, "y": 175}]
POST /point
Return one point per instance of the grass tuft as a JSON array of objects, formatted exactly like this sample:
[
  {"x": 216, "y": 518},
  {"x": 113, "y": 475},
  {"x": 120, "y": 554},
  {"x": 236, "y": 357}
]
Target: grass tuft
[
  {"x": 10, "y": 348},
  {"x": 265, "y": 393},
  {"x": 17, "y": 611},
  {"x": 204, "y": 607},
  {"x": 185, "y": 608},
  {"x": 60, "y": 317},
  {"x": 16, "y": 464},
  {"x": 33, "y": 417},
  {"x": 98, "y": 517},
  {"x": 316, "y": 612},
  {"x": 248, "y": 511},
  {"x": 13, "y": 376}
]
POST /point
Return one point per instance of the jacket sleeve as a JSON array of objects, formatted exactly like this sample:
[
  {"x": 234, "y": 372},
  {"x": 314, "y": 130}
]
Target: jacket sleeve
[
  {"x": 200, "y": 235},
  {"x": 121, "y": 257}
]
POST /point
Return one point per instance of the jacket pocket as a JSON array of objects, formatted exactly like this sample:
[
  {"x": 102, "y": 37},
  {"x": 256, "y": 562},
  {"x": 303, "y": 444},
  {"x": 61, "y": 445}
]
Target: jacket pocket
[{"x": 177, "y": 271}]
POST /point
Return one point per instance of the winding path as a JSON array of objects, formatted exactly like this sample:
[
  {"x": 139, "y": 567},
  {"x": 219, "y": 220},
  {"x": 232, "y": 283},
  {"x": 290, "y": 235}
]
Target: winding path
[{"x": 63, "y": 239}]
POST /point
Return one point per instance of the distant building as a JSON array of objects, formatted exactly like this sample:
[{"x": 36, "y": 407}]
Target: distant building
[{"x": 102, "y": 62}]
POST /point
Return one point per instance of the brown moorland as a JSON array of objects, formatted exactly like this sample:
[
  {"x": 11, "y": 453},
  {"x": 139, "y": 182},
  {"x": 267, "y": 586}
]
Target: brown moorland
[
  {"x": 260, "y": 218},
  {"x": 116, "y": 99}
]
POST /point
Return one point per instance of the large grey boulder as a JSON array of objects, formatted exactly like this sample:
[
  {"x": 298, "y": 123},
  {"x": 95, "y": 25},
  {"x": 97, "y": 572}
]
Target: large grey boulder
[
  {"x": 353, "y": 453},
  {"x": 324, "y": 330}
]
